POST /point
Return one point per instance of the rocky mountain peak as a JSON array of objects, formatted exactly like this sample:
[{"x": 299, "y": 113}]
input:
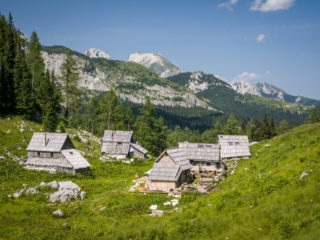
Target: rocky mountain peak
[
  {"x": 156, "y": 62},
  {"x": 96, "y": 53}
]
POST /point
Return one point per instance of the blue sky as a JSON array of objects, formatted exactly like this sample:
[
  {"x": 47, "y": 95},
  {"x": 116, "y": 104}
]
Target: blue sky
[{"x": 276, "y": 41}]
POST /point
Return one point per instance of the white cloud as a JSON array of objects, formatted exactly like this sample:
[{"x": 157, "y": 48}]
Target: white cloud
[
  {"x": 245, "y": 76},
  {"x": 228, "y": 5},
  {"x": 250, "y": 77},
  {"x": 260, "y": 37},
  {"x": 271, "y": 5}
]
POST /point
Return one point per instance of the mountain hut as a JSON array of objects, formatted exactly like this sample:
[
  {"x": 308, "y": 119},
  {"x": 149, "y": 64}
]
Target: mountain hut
[{"x": 54, "y": 152}]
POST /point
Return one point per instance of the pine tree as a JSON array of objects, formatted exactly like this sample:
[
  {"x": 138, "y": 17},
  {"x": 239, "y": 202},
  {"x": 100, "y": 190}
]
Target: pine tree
[
  {"x": 109, "y": 102},
  {"x": 151, "y": 133},
  {"x": 36, "y": 67},
  {"x": 314, "y": 116},
  {"x": 283, "y": 127},
  {"x": 25, "y": 101},
  {"x": 9, "y": 45},
  {"x": 231, "y": 126},
  {"x": 93, "y": 111},
  {"x": 265, "y": 128},
  {"x": 71, "y": 92},
  {"x": 51, "y": 108},
  {"x": 272, "y": 128},
  {"x": 129, "y": 119}
]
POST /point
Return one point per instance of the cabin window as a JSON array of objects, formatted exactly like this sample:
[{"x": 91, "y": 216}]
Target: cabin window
[
  {"x": 230, "y": 143},
  {"x": 200, "y": 146},
  {"x": 51, "y": 154},
  {"x": 218, "y": 165},
  {"x": 237, "y": 143},
  {"x": 38, "y": 154},
  {"x": 208, "y": 146},
  {"x": 208, "y": 164}
]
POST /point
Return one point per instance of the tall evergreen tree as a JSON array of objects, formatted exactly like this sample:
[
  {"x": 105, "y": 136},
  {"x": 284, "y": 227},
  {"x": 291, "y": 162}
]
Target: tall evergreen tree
[
  {"x": 265, "y": 128},
  {"x": 36, "y": 67},
  {"x": 71, "y": 92},
  {"x": 231, "y": 126},
  {"x": 150, "y": 132},
  {"x": 272, "y": 128},
  {"x": 314, "y": 116},
  {"x": 50, "y": 109}
]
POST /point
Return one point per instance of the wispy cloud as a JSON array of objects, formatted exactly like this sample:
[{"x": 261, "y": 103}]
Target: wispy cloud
[
  {"x": 228, "y": 5},
  {"x": 245, "y": 76},
  {"x": 260, "y": 37},
  {"x": 250, "y": 77},
  {"x": 271, "y": 5}
]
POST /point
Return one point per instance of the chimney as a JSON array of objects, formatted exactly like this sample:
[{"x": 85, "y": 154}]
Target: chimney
[{"x": 45, "y": 139}]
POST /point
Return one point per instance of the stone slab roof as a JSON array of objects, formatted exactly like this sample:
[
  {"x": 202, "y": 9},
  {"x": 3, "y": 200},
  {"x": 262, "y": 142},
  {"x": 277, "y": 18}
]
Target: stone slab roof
[
  {"x": 164, "y": 172},
  {"x": 75, "y": 159},
  {"x": 47, "y": 142},
  {"x": 139, "y": 148},
  {"x": 204, "y": 152},
  {"x": 117, "y": 136}
]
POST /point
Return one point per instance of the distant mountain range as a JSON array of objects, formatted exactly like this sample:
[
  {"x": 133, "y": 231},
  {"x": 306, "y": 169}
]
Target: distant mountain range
[
  {"x": 157, "y": 63},
  {"x": 263, "y": 89},
  {"x": 133, "y": 82},
  {"x": 223, "y": 97}
]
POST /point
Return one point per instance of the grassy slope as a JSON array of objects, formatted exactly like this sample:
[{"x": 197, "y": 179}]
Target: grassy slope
[{"x": 264, "y": 199}]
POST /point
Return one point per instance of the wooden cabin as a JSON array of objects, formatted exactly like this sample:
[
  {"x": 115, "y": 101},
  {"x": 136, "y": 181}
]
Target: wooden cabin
[
  {"x": 119, "y": 144},
  {"x": 54, "y": 152},
  {"x": 170, "y": 170},
  {"x": 234, "y": 146},
  {"x": 204, "y": 155}
]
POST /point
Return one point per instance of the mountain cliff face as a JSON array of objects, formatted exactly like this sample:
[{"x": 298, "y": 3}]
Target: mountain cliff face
[
  {"x": 157, "y": 63},
  {"x": 96, "y": 53},
  {"x": 263, "y": 89},
  {"x": 224, "y": 98},
  {"x": 132, "y": 81}
]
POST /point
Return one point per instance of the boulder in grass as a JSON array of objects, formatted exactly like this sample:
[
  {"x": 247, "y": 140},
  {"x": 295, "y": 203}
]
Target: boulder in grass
[
  {"x": 53, "y": 184},
  {"x": 69, "y": 185},
  {"x": 82, "y": 195},
  {"x": 31, "y": 191},
  {"x": 58, "y": 213},
  {"x": 42, "y": 184},
  {"x": 3, "y": 158},
  {"x": 63, "y": 196}
]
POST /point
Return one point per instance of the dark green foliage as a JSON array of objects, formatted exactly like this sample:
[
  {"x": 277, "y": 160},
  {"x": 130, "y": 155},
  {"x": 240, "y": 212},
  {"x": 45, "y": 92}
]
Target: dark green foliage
[
  {"x": 224, "y": 98},
  {"x": 314, "y": 116},
  {"x": 231, "y": 127},
  {"x": 106, "y": 113},
  {"x": 36, "y": 68},
  {"x": 50, "y": 108},
  {"x": 149, "y": 131},
  {"x": 61, "y": 127},
  {"x": 10, "y": 45},
  {"x": 71, "y": 92},
  {"x": 283, "y": 127}
]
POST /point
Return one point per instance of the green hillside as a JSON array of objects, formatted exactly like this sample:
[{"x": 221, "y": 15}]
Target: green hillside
[
  {"x": 222, "y": 97},
  {"x": 264, "y": 199}
]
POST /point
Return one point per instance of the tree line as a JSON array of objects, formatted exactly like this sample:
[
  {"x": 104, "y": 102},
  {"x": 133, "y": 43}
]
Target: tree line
[{"x": 27, "y": 88}]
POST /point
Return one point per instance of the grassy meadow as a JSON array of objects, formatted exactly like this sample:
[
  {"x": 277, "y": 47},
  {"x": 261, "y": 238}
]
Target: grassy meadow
[{"x": 264, "y": 199}]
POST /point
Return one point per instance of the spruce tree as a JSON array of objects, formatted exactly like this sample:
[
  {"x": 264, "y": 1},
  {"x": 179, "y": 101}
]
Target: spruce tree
[
  {"x": 129, "y": 118},
  {"x": 36, "y": 67},
  {"x": 51, "y": 108},
  {"x": 231, "y": 126},
  {"x": 272, "y": 128},
  {"x": 25, "y": 101},
  {"x": 71, "y": 92},
  {"x": 265, "y": 128},
  {"x": 314, "y": 116},
  {"x": 151, "y": 133}
]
